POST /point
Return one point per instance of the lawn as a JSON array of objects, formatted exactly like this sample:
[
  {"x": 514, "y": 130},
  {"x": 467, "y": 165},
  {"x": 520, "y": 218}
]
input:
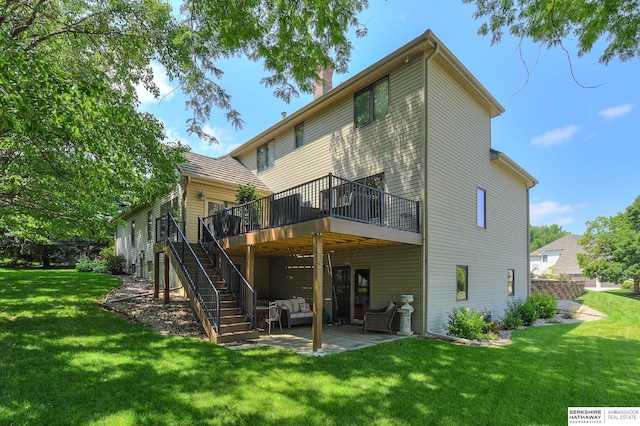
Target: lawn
[{"x": 64, "y": 360}]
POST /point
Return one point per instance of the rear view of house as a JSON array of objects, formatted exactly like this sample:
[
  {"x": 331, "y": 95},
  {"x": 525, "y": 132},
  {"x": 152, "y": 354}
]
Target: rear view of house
[{"x": 385, "y": 185}]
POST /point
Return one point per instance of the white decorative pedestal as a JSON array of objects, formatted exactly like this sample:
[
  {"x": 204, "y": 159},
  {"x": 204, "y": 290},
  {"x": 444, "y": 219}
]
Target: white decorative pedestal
[{"x": 405, "y": 315}]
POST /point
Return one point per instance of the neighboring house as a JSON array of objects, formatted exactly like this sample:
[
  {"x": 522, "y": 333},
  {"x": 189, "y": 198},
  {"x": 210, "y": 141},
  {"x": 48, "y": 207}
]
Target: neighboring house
[
  {"x": 382, "y": 186},
  {"x": 561, "y": 257}
]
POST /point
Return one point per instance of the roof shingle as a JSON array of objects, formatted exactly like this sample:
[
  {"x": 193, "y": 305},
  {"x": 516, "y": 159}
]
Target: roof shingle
[{"x": 223, "y": 169}]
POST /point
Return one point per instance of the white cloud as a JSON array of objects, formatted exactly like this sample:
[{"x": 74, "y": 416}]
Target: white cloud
[
  {"x": 556, "y": 136},
  {"x": 161, "y": 80},
  {"x": 550, "y": 212},
  {"x": 616, "y": 111}
]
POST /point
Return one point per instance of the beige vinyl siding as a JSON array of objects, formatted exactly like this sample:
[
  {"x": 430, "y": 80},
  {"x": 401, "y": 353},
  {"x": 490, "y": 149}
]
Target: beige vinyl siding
[
  {"x": 142, "y": 253},
  {"x": 137, "y": 256},
  {"x": 458, "y": 162},
  {"x": 332, "y": 144},
  {"x": 392, "y": 145},
  {"x": 393, "y": 271},
  {"x": 196, "y": 206}
]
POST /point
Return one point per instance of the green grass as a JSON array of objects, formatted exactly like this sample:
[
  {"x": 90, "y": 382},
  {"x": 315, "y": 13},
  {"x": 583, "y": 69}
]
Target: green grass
[{"x": 63, "y": 360}]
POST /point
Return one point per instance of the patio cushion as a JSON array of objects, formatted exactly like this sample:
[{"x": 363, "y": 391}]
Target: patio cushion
[
  {"x": 295, "y": 302},
  {"x": 286, "y": 304},
  {"x": 304, "y": 307},
  {"x": 301, "y": 315}
]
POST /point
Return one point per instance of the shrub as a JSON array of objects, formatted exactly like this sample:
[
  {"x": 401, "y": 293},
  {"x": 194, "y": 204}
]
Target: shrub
[
  {"x": 628, "y": 285},
  {"x": 116, "y": 264},
  {"x": 86, "y": 265},
  {"x": 511, "y": 318},
  {"x": 465, "y": 323},
  {"x": 528, "y": 312},
  {"x": 545, "y": 304}
]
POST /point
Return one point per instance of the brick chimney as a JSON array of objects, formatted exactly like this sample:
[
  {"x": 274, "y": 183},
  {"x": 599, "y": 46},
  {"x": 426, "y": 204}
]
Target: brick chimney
[{"x": 325, "y": 84}]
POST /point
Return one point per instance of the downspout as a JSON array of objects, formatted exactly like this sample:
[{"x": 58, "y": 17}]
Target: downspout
[
  {"x": 528, "y": 270},
  {"x": 425, "y": 203}
]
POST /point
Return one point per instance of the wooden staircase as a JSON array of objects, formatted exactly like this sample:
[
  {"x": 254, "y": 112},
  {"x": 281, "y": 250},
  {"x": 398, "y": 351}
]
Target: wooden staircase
[{"x": 234, "y": 325}]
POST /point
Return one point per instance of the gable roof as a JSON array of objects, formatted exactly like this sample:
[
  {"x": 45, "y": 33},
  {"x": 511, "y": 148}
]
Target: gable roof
[
  {"x": 570, "y": 248},
  {"x": 223, "y": 169}
]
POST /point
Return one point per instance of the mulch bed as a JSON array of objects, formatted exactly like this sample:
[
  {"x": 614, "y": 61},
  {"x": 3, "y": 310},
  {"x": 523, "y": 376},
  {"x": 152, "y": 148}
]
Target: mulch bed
[{"x": 134, "y": 301}]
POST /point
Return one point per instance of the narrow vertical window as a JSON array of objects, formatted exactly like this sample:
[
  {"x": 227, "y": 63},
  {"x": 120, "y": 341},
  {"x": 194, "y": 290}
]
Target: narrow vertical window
[
  {"x": 511, "y": 289},
  {"x": 149, "y": 225},
  {"x": 133, "y": 233},
  {"x": 298, "y": 132},
  {"x": 462, "y": 282},
  {"x": 481, "y": 208},
  {"x": 265, "y": 154}
]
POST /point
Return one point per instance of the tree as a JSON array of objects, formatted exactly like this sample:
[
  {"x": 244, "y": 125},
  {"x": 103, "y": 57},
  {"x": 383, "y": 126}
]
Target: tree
[
  {"x": 550, "y": 23},
  {"x": 612, "y": 246},
  {"x": 75, "y": 150},
  {"x": 542, "y": 235}
]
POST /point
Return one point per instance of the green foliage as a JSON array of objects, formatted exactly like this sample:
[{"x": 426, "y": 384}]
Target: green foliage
[
  {"x": 511, "y": 318},
  {"x": 87, "y": 265},
  {"x": 17, "y": 250},
  {"x": 540, "y": 236},
  {"x": 612, "y": 246},
  {"x": 247, "y": 193},
  {"x": 466, "y": 323},
  {"x": 551, "y": 23},
  {"x": 74, "y": 146},
  {"x": 116, "y": 264},
  {"x": 519, "y": 313},
  {"x": 545, "y": 304},
  {"x": 113, "y": 264}
]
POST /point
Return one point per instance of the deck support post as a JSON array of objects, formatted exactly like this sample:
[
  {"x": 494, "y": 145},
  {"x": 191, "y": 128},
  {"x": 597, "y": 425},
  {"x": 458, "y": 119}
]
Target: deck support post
[
  {"x": 251, "y": 265},
  {"x": 156, "y": 275},
  {"x": 317, "y": 292},
  {"x": 166, "y": 278}
]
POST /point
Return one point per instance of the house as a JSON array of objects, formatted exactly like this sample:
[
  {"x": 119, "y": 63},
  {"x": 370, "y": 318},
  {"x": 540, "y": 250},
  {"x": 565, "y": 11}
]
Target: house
[
  {"x": 560, "y": 257},
  {"x": 385, "y": 185}
]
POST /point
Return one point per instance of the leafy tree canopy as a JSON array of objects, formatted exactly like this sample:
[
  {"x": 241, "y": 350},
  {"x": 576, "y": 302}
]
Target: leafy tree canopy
[
  {"x": 552, "y": 22},
  {"x": 540, "y": 236},
  {"x": 74, "y": 149},
  {"x": 612, "y": 246}
]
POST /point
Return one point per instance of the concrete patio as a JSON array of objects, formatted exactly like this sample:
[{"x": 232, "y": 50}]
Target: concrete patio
[{"x": 335, "y": 339}]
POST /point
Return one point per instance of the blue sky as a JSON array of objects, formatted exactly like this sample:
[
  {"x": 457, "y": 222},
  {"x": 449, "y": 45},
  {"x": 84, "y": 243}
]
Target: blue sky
[{"x": 580, "y": 143}]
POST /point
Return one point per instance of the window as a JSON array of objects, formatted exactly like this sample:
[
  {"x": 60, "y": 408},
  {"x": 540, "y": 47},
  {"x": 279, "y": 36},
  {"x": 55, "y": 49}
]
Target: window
[
  {"x": 372, "y": 103},
  {"x": 170, "y": 206},
  {"x": 511, "y": 289},
  {"x": 265, "y": 155},
  {"x": 298, "y": 132},
  {"x": 481, "y": 208},
  {"x": 133, "y": 233},
  {"x": 545, "y": 258},
  {"x": 214, "y": 206},
  {"x": 149, "y": 225},
  {"x": 462, "y": 282}
]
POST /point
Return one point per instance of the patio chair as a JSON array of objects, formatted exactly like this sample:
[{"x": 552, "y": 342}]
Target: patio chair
[
  {"x": 274, "y": 316},
  {"x": 379, "y": 319}
]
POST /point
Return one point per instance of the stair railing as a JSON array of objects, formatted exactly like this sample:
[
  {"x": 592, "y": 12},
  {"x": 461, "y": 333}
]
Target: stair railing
[
  {"x": 244, "y": 294},
  {"x": 199, "y": 281}
]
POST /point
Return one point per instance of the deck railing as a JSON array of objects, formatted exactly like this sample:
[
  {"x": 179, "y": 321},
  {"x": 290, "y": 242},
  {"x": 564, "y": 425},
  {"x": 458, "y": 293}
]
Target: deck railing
[
  {"x": 199, "y": 281},
  {"x": 329, "y": 196},
  {"x": 235, "y": 281}
]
